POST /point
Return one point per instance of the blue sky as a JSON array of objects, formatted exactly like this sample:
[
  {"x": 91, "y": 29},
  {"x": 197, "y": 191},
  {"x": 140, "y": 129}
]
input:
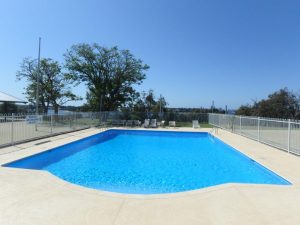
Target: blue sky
[{"x": 228, "y": 51}]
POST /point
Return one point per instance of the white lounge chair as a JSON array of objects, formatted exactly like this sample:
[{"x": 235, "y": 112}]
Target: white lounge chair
[
  {"x": 153, "y": 123},
  {"x": 136, "y": 123},
  {"x": 129, "y": 123},
  {"x": 147, "y": 123},
  {"x": 118, "y": 123},
  {"x": 162, "y": 123},
  {"x": 172, "y": 124},
  {"x": 195, "y": 124}
]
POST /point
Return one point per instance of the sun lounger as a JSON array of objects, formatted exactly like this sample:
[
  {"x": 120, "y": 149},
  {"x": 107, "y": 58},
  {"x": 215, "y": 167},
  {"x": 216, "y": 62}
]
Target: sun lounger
[
  {"x": 161, "y": 123},
  {"x": 118, "y": 122},
  {"x": 147, "y": 123},
  {"x": 129, "y": 123},
  {"x": 195, "y": 124},
  {"x": 172, "y": 124},
  {"x": 153, "y": 123},
  {"x": 136, "y": 123}
]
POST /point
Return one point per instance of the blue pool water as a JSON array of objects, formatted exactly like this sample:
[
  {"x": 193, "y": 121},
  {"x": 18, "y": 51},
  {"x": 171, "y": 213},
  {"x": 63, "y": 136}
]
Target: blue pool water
[{"x": 150, "y": 162}]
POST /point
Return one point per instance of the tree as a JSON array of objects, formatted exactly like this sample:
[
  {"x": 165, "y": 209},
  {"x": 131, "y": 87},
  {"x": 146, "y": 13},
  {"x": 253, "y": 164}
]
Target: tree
[
  {"x": 109, "y": 74},
  {"x": 150, "y": 101},
  {"x": 245, "y": 110},
  {"x": 160, "y": 105},
  {"x": 280, "y": 104},
  {"x": 147, "y": 102},
  {"x": 54, "y": 87}
]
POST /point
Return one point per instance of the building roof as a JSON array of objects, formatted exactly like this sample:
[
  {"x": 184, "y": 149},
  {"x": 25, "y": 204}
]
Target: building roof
[{"x": 9, "y": 98}]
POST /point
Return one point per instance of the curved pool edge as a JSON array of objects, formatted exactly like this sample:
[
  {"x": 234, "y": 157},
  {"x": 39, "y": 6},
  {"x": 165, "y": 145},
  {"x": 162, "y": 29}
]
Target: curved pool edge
[
  {"x": 76, "y": 187},
  {"x": 57, "y": 182},
  {"x": 111, "y": 134}
]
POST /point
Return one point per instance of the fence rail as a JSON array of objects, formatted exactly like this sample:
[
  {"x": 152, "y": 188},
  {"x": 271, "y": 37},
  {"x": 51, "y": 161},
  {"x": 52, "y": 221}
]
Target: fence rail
[
  {"x": 279, "y": 133},
  {"x": 16, "y": 128}
]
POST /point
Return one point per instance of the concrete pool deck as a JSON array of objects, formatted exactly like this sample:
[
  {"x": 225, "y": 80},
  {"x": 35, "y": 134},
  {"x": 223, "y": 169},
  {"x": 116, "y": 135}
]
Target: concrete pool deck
[{"x": 37, "y": 197}]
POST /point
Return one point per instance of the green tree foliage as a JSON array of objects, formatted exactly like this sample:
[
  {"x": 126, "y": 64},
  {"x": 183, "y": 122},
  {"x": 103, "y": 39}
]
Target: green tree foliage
[
  {"x": 283, "y": 104},
  {"x": 54, "y": 87},
  {"x": 245, "y": 110},
  {"x": 109, "y": 74},
  {"x": 147, "y": 102},
  {"x": 280, "y": 104}
]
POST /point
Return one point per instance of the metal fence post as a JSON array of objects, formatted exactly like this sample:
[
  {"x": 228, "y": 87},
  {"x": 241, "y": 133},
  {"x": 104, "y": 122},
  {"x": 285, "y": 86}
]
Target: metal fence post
[
  {"x": 51, "y": 123},
  {"x": 12, "y": 128},
  {"x": 69, "y": 118},
  {"x": 240, "y": 124},
  {"x": 258, "y": 129},
  {"x": 289, "y": 135}
]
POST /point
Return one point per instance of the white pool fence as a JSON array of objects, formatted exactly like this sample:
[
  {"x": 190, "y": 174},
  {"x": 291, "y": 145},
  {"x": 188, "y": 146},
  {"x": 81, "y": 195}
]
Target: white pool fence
[
  {"x": 17, "y": 128},
  {"x": 279, "y": 133}
]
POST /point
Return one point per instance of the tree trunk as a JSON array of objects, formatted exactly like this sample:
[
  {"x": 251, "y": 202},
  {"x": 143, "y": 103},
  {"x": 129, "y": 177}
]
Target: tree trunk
[{"x": 56, "y": 106}]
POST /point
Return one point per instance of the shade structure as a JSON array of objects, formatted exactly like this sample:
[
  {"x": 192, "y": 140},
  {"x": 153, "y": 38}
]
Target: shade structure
[{"x": 9, "y": 98}]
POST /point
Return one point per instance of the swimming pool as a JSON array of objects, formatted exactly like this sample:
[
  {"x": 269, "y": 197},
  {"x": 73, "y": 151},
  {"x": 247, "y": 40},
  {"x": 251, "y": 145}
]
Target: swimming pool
[{"x": 149, "y": 162}]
